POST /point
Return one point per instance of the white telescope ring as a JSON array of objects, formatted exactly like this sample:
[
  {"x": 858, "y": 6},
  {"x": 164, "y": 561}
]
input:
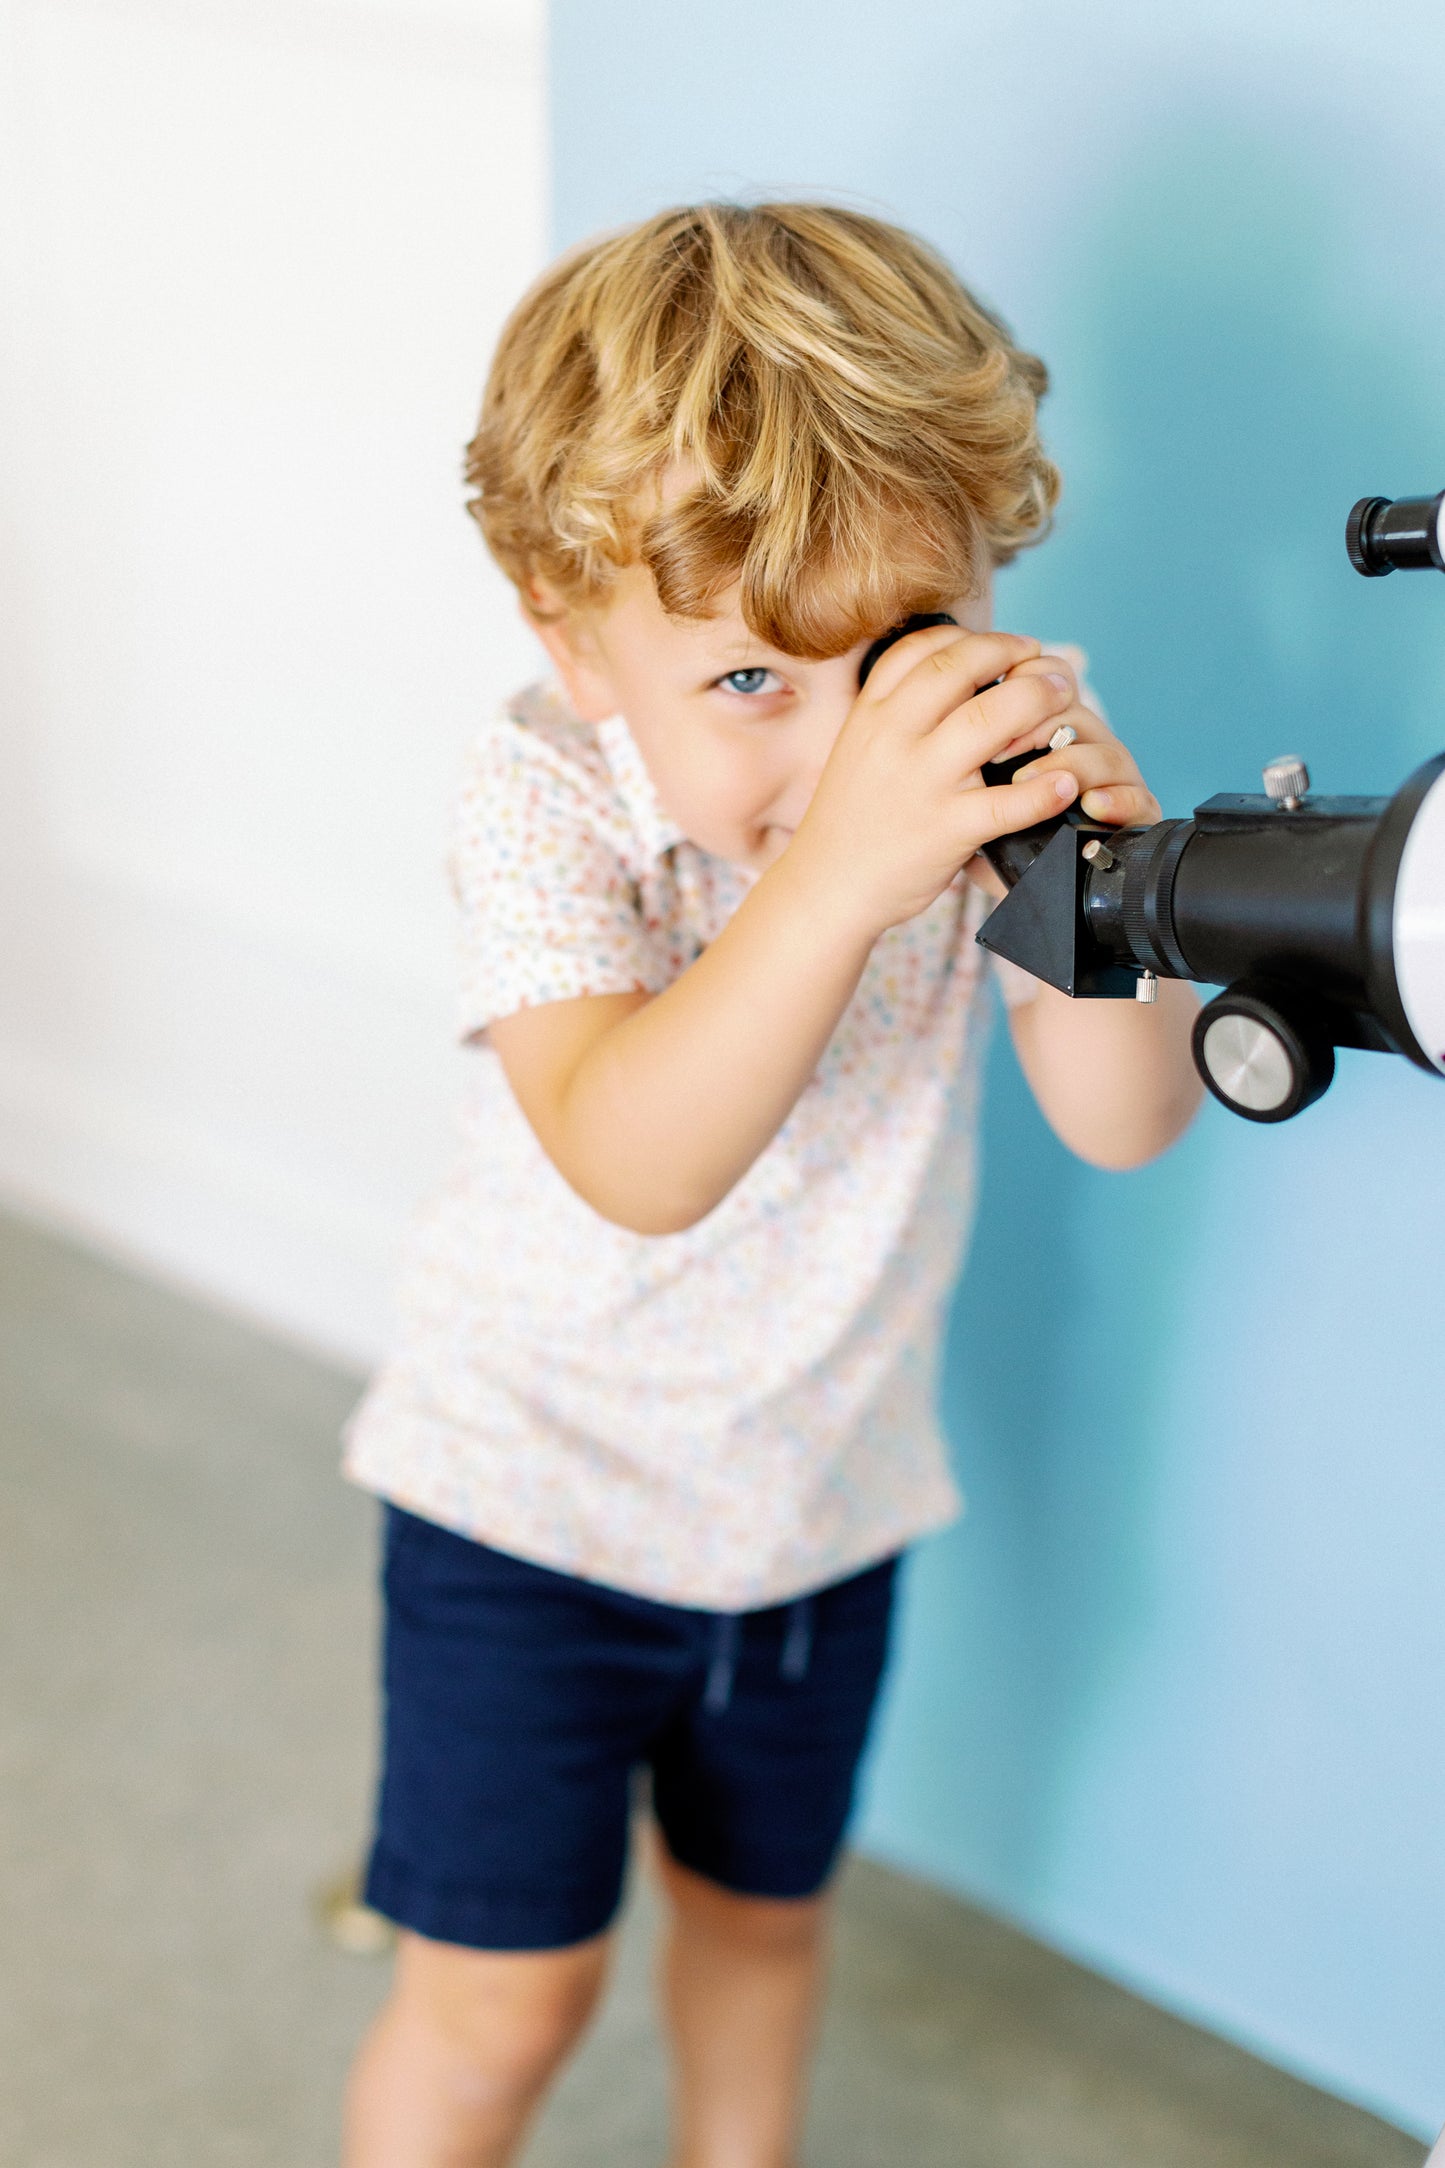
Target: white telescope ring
[{"x": 1419, "y": 924}]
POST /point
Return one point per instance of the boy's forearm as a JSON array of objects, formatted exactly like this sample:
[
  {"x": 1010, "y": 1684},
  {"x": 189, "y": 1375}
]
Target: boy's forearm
[
  {"x": 1115, "y": 1079},
  {"x": 670, "y": 1108}
]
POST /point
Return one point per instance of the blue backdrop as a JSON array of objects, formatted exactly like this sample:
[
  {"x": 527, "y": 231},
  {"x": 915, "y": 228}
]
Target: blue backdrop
[{"x": 1173, "y": 1695}]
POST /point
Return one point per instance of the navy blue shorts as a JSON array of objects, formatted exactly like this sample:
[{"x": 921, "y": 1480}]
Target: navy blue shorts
[{"x": 521, "y": 1703}]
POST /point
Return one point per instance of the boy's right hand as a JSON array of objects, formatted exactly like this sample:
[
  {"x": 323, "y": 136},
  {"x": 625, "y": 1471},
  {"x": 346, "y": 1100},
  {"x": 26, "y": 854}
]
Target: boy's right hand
[
  {"x": 901, "y": 806},
  {"x": 653, "y": 1106}
]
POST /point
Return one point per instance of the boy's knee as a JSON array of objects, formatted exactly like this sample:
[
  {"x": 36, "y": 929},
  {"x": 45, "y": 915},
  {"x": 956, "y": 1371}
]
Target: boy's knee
[{"x": 504, "y": 2019}]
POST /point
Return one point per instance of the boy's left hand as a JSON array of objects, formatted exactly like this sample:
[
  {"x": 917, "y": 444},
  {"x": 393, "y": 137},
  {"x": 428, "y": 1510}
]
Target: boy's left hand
[
  {"x": 1114, "y": 1079},
  {"x": 1111, "y": 789}
]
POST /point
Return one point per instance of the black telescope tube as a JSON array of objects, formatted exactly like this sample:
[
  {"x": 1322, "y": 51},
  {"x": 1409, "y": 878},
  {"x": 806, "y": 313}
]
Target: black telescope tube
[
  {"x": 1280, "y": 901},
  {"x": 1240, "y": 893}
]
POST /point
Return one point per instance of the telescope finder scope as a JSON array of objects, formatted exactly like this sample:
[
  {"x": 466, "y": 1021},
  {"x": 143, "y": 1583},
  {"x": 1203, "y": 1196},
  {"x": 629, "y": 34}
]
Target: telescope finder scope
[{"x": 1401, "y": 534}]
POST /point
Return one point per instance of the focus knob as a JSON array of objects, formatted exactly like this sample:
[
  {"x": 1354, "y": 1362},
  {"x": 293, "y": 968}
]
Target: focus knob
[
  {"x": 1286, "y": 781},
  {"x": 1258, "y": 1059}
]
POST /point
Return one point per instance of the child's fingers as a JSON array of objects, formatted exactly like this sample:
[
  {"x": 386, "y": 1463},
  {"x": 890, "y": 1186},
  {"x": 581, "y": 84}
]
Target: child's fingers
[
  {"x": 1082, "y": 722},
  {"x": 1098, "y": 763},
  {"x": 1049, "y": 664},
  {"x": 1085, "y": 717},
  {"x": 894, "y": 664},
  {"x": 1111, "y": 786},
  {"x": 1055, "y": 667},
  {"x": 922, "y": 688},
  {"x": 1011, "y": 806},
  {"x": 1123, "y": 805},
  {"x": 1023, "y": 709}
]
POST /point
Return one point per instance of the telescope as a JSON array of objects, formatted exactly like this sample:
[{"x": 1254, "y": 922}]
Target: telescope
[{"x": 1322, "y": 918}]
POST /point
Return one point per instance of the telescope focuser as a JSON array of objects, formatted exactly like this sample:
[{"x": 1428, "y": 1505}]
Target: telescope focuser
[{"x": 1322, "y": 918}]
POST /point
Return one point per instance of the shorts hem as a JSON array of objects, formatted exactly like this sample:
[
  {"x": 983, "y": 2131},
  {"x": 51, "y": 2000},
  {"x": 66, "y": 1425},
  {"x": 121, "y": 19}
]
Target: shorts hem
[
  {"x": 779, "y": 1886},
  {"x": 481, "y": 1920}
]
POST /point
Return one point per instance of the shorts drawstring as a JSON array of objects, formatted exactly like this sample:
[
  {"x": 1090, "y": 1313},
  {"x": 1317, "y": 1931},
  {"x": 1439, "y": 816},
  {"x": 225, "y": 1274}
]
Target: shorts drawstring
[
  {"x": 723, "y": 1660},
  {"x": 798, "y": 1641},
  {"x": 725, "y": 1643}
]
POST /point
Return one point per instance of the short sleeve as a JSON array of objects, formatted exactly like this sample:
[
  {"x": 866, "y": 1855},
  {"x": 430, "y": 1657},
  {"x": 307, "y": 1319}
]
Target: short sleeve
[{"x": 549, "y": 909}]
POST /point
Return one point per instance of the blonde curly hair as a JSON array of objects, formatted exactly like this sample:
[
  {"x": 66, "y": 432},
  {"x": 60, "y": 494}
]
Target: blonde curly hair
[{"x": 849, "y": 434}]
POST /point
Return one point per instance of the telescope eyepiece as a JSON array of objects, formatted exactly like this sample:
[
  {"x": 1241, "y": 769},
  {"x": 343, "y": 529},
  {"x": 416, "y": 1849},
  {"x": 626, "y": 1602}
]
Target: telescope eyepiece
[{"x": 1400, "y": 534}]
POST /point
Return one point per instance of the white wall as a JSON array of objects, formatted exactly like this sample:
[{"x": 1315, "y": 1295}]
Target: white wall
[{"x": 254, "y": 255}]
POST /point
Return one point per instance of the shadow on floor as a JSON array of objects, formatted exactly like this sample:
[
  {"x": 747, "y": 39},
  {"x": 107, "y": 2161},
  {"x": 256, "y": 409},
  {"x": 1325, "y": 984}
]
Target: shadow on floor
[{"x": 186, "y": 1625}]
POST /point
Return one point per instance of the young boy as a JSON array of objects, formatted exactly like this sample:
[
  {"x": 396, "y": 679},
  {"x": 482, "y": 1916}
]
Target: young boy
[{"x": 661, "y": 1421}]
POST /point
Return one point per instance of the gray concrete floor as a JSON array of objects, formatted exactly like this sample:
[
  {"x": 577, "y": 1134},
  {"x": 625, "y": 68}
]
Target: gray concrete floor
[{"x": 186, "y": 1628}]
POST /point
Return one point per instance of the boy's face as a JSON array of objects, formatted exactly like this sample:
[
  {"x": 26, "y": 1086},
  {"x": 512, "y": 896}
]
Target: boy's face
[{"x": 734, "y": 733}]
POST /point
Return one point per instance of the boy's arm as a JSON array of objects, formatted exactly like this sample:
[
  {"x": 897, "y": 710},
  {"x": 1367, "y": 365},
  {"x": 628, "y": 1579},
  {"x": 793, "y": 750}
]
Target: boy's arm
[
  {"x": 1115, "y": 1080},
  {"x": 653, "y": 1107}
]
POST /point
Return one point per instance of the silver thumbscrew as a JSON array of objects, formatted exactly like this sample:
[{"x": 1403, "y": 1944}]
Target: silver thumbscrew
[
  {"x": 1146, "y": 987},
  {"x": 1099, "y": 854},
  {"x": 1286, "y": 781}
]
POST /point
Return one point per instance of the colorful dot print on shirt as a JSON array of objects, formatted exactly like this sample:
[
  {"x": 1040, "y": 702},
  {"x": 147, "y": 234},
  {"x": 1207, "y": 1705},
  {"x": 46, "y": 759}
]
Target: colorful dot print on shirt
[{"x": 731, "y": 1415}]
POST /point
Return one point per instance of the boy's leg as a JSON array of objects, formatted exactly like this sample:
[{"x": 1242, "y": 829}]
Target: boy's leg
[
  {"x": 461, "y": 2053},
  {"x": 518, "y": 1700},
  {"x": 751, "y": 1790},
  {"x": 742, "y": 1985}
]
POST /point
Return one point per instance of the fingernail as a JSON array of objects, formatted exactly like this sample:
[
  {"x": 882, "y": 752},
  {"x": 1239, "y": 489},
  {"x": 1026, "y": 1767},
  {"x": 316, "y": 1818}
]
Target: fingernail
[
  {"x": 1098, "y": 801},
  {"x": 1064, "y": 786},
  {"x": 1061, "y": 682}
]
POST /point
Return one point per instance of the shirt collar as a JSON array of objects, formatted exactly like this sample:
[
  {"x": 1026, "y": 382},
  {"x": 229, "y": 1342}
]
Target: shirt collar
[{"x": 656, "y": 830}]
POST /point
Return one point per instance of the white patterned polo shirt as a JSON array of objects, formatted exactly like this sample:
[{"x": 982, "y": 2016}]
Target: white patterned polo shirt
[{"x": 730, "y": 1416}]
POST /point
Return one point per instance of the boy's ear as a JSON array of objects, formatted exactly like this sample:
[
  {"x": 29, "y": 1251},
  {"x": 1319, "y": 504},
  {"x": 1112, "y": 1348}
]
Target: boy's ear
[{"x": 568, "y": 638}]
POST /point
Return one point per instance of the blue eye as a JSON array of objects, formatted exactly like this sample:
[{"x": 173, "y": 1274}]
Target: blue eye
[{"x": 745, "y": 681}]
